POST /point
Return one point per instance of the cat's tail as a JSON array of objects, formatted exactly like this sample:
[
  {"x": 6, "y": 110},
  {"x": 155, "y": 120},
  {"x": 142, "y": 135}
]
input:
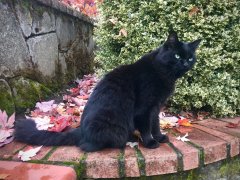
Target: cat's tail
[{"x": 26, "y": 131}]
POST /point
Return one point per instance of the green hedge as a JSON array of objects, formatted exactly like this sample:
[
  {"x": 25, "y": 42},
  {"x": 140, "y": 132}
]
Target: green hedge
[{"x": 128, "y": 29}]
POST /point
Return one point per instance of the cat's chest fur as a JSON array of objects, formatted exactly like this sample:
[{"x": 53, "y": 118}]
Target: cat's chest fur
[{"x": 140, "y": 86}]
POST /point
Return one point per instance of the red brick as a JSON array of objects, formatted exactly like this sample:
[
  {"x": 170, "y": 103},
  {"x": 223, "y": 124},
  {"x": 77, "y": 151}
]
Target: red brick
[
  {"x": 190, "y": 154},
  {"x": 24, "y": 171},
  {"x": 103, "y": 164},
  {"x": 10, "y": 149},
  {"x": 131, "y": 164},
  {"x": 233, "y": 120},
  {"x": 215, "y": 149},
  {"x": 221, "y": 126},
  {"x": 233, "y": 141},
  {"x": 41, "y": 154},
  {"x": 162, "y": 160},
  {"x": 67, "y": 154}
]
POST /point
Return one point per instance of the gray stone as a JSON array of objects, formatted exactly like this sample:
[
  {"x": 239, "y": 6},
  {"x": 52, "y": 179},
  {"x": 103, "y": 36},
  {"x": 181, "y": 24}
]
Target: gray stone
[
  {"x": 5, "y": 72},
  {"x": 43, "y": 20},
  {"x": 44, "y": 52},
  {"x": 6, "y": 99},
  {"x": 66, "y": 32},
  {"x": 59, "y": 6},
  {"x": 62, "y": 62},
  {"x": 42, "y": 40},
  {"x": 46, "y": 2},
  {"x": 13, "y": 49},
  {"x": 24, "y": 17}
]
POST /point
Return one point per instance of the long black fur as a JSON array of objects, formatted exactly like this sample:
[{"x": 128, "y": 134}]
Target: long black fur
[{"x": 127, "y": 98}]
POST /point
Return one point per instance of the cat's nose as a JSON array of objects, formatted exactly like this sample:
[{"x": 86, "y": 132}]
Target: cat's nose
[{"x": 185, "y": 63}]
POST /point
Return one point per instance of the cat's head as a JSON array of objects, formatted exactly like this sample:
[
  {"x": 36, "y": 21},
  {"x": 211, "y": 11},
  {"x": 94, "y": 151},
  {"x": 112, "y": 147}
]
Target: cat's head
[{"x": 175, "y": 57}]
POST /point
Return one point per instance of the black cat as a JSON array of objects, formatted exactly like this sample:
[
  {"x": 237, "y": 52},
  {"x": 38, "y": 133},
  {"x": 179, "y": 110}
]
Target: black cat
[{"x": 126, "y": 99}]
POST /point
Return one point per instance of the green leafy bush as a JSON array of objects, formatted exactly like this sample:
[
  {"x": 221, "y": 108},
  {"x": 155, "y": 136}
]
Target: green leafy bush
[{"x": 128, "y": 29}]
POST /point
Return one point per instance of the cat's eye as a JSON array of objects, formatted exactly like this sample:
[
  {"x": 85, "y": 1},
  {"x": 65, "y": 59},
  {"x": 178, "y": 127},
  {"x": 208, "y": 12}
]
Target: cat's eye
[
  {"x": 190, "y": 59},
  {"x": 177, "y": 56}
]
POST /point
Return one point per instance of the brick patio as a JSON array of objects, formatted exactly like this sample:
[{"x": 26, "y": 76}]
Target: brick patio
[{"x": 210, "y": 141}]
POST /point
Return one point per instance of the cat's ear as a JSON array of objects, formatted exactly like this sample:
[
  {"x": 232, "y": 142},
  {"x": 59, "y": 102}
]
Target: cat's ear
[
  {"x": 172, "y": 39},
  {"x": 194, "y": 45}
]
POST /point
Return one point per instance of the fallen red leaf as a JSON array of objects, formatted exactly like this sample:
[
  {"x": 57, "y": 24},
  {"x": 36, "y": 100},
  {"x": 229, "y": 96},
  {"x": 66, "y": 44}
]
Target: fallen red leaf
[
  {"x": 60, "y": 123},
  {"x": 233, "y": 125},
  {"x": 83, "y": 97},
  {"x": 78, "y": 101},
  {"x": 184, "y": 122},
  {"x": 74, "y": 91}
]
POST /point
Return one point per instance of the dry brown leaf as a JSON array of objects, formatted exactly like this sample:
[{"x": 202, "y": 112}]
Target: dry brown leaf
[
  {"x": 113, "y": 21},
  {"x": 194, "y": 11},
  {"x": 122, "y": 32}
]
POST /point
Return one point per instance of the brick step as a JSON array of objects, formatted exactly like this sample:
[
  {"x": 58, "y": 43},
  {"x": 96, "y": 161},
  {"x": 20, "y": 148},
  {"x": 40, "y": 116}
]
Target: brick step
[
  {"x": 24, "y": 171},
  {"x": 210, "y": 141}
]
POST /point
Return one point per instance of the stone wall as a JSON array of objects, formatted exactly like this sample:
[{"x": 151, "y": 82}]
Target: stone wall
[{"x": 43, "y": 45}]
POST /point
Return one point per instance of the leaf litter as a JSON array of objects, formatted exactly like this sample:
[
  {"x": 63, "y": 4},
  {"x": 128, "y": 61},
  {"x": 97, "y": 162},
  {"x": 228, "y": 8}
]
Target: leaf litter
[
  {"x": 169, "y": 122},
  {"x": 6, "y": 128},
  {"x": 55, "y": 117}
]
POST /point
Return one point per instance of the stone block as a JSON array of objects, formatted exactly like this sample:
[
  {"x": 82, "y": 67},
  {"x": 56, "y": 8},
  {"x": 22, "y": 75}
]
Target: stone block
[
  {"x": 44, "y": 52},
  {"x": 43, "y": 20},
  {"x": 24, "y": 16},
  {"x": 14, "y": 54},
  {"x": 66, "y": 32}
]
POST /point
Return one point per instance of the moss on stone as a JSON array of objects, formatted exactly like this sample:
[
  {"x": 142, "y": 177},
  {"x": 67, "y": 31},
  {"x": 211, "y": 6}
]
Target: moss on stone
[
  {"x": 6, "y": 102},
  {"x": 121, "y": 164},
  {"x": 49, "y": 153},
  {"x": 25, "y": 4},
  {"x": 230, "y": 168},
  {"x": 179, "y": 157},
  {"x": 141, "y": 162},
  {"x": 27, "y": 92},
  {"x": 81, "y": 168},
  {"x": 6, "y": 99},
  {"x": 200, "y": 153}
]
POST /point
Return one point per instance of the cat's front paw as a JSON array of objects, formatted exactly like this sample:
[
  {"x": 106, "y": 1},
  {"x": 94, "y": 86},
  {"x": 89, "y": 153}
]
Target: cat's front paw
[
  {"x": 151, "y": 144},
  {"x": 161, "y": 138}
]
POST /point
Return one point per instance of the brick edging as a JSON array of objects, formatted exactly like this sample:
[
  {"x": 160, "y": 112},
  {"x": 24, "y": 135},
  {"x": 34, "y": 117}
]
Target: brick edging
[{"x": 206, "y": 146}]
